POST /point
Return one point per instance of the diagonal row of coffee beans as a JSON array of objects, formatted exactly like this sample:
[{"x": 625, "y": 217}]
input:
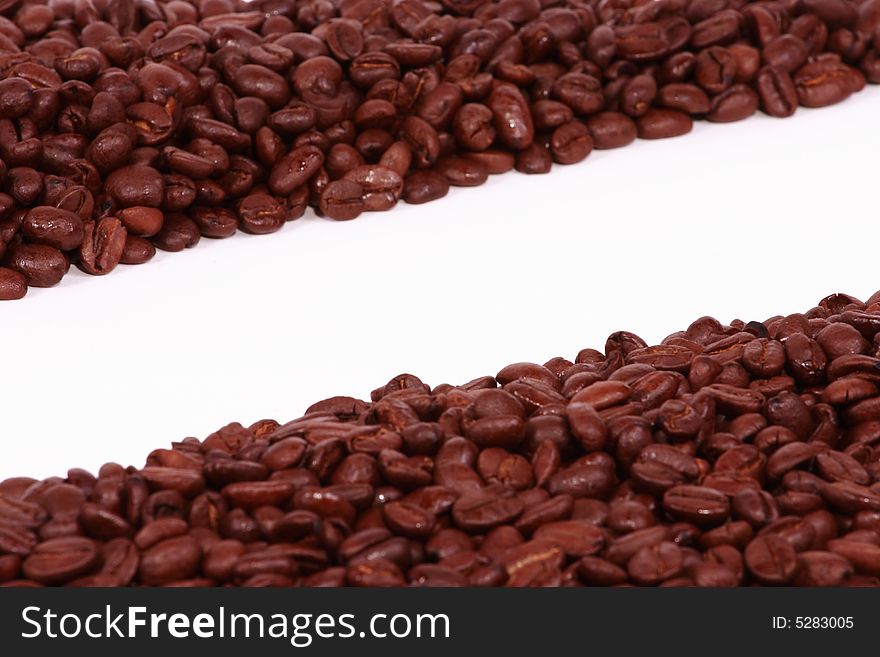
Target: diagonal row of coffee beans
[
  {"x": 727, "y": 455},
  {"x": 127, "y": 126}
]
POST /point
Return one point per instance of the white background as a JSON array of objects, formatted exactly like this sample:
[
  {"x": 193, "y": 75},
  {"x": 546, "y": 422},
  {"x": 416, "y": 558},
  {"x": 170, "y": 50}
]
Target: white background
[{"x": 743, "y": 221}]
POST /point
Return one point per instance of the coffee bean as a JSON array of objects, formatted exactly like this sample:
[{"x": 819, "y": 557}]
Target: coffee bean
[
  {"x": 733, "y": 104},
  {"x": 533, "y": 159},
  {"x": 295, "y": 169},
  {"x": 479, "y": 512},
  {"x": 141, "y": 221},
  {"x": 825, "y": 82},
  {"x": 408, "y": 519},
  {"x": 214, "y": 222},
  {"x": 178, "y": 232},
  {"x": 102, "y": 246},
  {"x": 513, "y": 121},
  {"x": 684, "y": 97},
  {"x": 462, "y": 172},
  {"x": 425, "y": 186},
  {"x": 786, "y": 52},
  {"x": 663, "y": 123},
  {"x": 611, "y": 130},
  {"x": 55, "y": 227},
  {"x": 260, "y": 214},
  {"x": 771, "y": 559},
  {"x": 697, "y": 504},
  {"x": 41, "y": 265},
  {"x": 13, "y": 285},
  {"x": 653, "y": 564},
  {"x": 136, "y": 185},
  {"x": 819, "y": 568},
  {"x": 60, "y": 560},
  {"x": 170, "y": 560},
  {"x": 571, "y": 142}
]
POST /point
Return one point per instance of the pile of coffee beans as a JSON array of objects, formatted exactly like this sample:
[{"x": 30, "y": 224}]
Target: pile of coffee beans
[
  {"x": 727, "y": 455},
  {"x": 131, "y": 125}
]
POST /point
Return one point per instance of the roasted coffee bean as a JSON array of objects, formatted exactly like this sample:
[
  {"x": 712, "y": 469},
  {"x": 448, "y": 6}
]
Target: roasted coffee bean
[
  {"x": 733, "y": 104},
  {"x": 513, "y": 120},
  {"x": 571, "y": 142},
  {"x": 777, "y": 91},
  {"x": 178, "y": 232},
  {"x": 663, "y": 123},
  {"x": 136, "y": 185},
  {"x": 170, "y": 560},
  {"x": 141, "y": 221},
  {"x": 260, "y": 214},
  {"x": 534, "y": 158},
  {"x": 611, "y": 130},
  {"x": 462, "y": 172},
  {"x": 826, "y": 82},
  {"x": 13, "y": 285},
  {"x": 786, "y": 52},
  {"x": 819, "y": 568},
  {"x": 55, "y": 227},
  {"x": 102, "y": 245},
  {"x": 214, "y": 222},
  {"x": 342, "y": 200},
  {"x": 295, "y": 169},
  {"x": 381, "y": 186},
  {"x": 684, "y": 97},
  {"x": 39, "y": 264},
  {"x": 771, "y": 559},
  {"x": 425, "y": 186},
  {"x": 60, "y": 560},
  {"x": 697, "y": 504}
]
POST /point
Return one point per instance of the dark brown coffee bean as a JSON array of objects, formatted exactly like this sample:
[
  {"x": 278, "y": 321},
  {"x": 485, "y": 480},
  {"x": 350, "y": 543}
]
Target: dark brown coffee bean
[
  {"x": 611, "y": 130},
  {"x": 377, "y": 573},
  {"x": 697, "y": 504},
  {"x": 663, "y": 123},
  {"x": 178, "y": 232},
  {"x": 480, "y": 511},
  {"x": 170, "y": 560},
  {"x": 771, "y": 559},
  {"x": 13, "y": 285},
  {"x": 733, "y": 104},
  {"x": 825, "y": 82},
  {"x": 571, "y": 143},
  {"x": 513, "y": 121},
  {"x": 60, "y": 560},
  {"x": 141, "y": 221},
  {"x": 534, "y": 159},
  {"x": 638, "y": 94},
  {"x": 425, "y": 186},
  {"x": 381, "y": 186},
  {"x": 41, "y": 265},
  {"x": 818, "y": 568},
  {"x": 654, "y": 564},
  {"x": 136, "y": 185},
  {"x": 295, "y": 169},
  {"x": 865, "y": 557},
  {"x": 55, "y": 227},
  {"x": 260, "y": 214},
  {"x": 786, "y": 52},
  {"x": 102, "y": 246},
  {"x": 408, "y": 519},
  {"x": 462, "y": 172},
  {"x": 684, "y": 97},
  {"x": 576, "y": 538}
]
